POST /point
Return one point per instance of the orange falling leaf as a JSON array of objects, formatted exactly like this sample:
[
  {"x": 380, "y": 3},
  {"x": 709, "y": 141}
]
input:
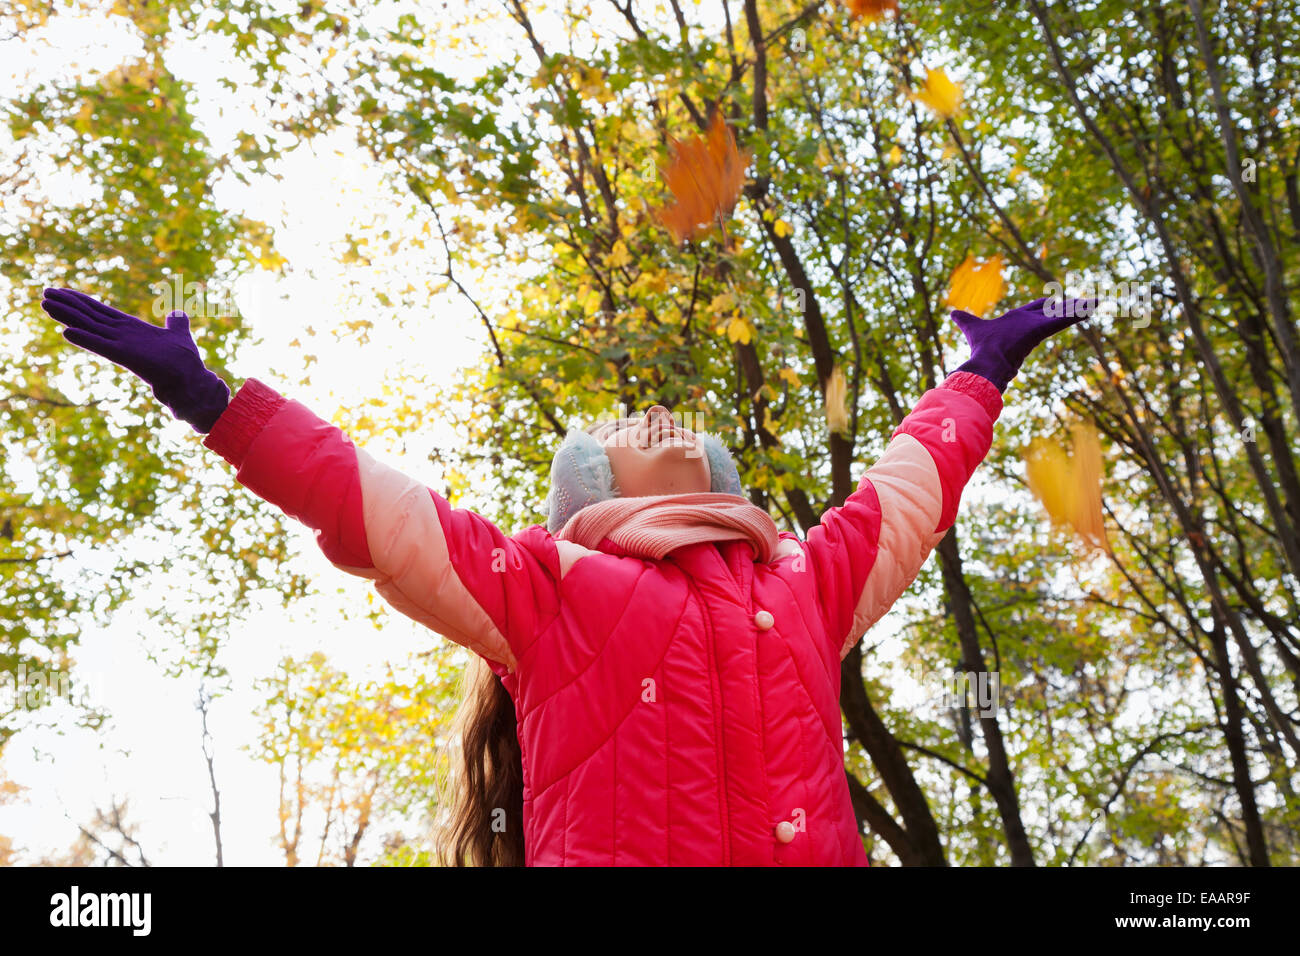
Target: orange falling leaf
[
  {"x": 1070, "y": 486},
  {"x": 975, "y": 286},
  {"x": 939, "y": 93},
  {"x": 871, "y": 9},
  {"x": 705, "y": 176}
]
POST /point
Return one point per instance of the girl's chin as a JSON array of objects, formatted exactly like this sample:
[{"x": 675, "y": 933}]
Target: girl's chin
[{"x": 691, "y": 482}]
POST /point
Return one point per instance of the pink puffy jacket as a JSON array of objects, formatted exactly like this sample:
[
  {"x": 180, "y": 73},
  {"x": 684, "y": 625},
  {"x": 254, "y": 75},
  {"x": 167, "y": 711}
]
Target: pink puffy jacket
[{"x": 683, "y": 711}]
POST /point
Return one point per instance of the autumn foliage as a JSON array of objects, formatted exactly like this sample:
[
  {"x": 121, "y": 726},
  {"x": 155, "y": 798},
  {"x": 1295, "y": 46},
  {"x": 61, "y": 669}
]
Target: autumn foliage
[{"x": 704, "y": 175}]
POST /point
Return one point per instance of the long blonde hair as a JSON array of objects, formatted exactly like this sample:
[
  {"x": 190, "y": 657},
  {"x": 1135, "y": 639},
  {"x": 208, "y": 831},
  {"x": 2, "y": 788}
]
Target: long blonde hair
[{"x": 486, "y": 786}]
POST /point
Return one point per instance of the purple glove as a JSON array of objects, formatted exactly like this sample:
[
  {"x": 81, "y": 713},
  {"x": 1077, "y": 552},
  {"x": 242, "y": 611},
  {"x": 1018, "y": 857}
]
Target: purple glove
[
  {"x": 999, "y": 346},
  {"x": 165, "y": 358}
]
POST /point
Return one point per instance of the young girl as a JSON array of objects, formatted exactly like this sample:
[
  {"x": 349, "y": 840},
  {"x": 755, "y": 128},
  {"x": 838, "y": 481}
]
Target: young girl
[{"x": 664, "y": 663}]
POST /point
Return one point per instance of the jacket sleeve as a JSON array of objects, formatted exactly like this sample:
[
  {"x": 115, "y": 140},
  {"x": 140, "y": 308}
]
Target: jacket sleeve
[
  {"x": 866, "y": 552},
  {"x": 448, "y": 568}
]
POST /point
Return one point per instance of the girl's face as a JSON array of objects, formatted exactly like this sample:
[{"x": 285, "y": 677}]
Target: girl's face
[{"x": 654, "y": 456}]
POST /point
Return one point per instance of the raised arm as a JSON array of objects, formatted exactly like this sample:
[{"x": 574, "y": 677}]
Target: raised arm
[
  {"x": 447, "y": 568},
  {"x": 866, "y": 552}
]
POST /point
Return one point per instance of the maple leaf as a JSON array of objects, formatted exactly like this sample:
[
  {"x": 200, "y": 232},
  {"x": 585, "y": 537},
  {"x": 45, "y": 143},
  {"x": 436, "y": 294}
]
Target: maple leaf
[
  {"x": 976, "y": 286},
  {"x": 1069, "y": 486},
  {"x": 939, "y": 93},
  {"x": 738, "y": 330},
  {"x": 705, "y": 176},
  {"x": 871, "y": 9}
]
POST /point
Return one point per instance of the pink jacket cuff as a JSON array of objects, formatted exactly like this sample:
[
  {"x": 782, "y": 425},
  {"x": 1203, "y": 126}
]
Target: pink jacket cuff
[
  {"x": 978, "y": 388},
  {"x": 245, "y": 416}
]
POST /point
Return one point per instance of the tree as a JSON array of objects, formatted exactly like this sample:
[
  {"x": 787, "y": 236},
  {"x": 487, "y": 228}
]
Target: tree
[
  {"x": 352, "y": 756},
  {"x": 86, "y": 465}
]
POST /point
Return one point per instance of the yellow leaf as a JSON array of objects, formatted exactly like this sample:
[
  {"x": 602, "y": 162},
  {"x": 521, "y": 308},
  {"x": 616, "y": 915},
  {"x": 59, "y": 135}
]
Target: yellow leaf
[
  {"x": 782, "y": 228},
  {"x": 722, "y": 302},
  {"x": 789, "y": 376},
  {"x": 837, "y": 412},
  {"x": 618, "y": 256},
  {"x": 738, "y": 330},
  {"x": 939, "y": 93},
  {"x": 974, "y": 287},
  {"x": 1069, "y": 487},
  {"x": 895, "y": 155}
]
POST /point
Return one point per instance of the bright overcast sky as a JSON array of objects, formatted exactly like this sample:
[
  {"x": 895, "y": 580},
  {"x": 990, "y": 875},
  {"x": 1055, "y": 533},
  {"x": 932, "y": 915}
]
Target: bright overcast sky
[{"x": 150, "y": 751}]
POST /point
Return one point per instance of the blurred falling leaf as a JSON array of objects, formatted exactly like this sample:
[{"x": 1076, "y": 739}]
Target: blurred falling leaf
[
  {"x": 705, "y": 176},
  {"x": 738, "y": 330},
  {"x": 837, "y": 411},
  {"x": 871, "y": 9},
  {"x": 735, "y": 328},
  {"x": 976, "y": 286},
  {"x": 939, "y": 93},
  {"x": 1070, "y": 486}
]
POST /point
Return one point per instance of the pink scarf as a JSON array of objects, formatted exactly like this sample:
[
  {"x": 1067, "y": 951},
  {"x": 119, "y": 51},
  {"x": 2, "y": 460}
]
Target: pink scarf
[{"x": 653, "y": 525}]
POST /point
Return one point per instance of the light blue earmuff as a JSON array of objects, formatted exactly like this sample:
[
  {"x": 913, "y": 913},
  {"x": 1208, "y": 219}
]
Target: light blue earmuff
[
  {"x": 581, "y": 475},
  {"x": 725, "y": 477}
]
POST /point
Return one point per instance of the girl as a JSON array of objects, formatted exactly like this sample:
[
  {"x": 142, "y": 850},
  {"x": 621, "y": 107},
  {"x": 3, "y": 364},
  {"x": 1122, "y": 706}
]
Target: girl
[{"x": 663, "y": 664}]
